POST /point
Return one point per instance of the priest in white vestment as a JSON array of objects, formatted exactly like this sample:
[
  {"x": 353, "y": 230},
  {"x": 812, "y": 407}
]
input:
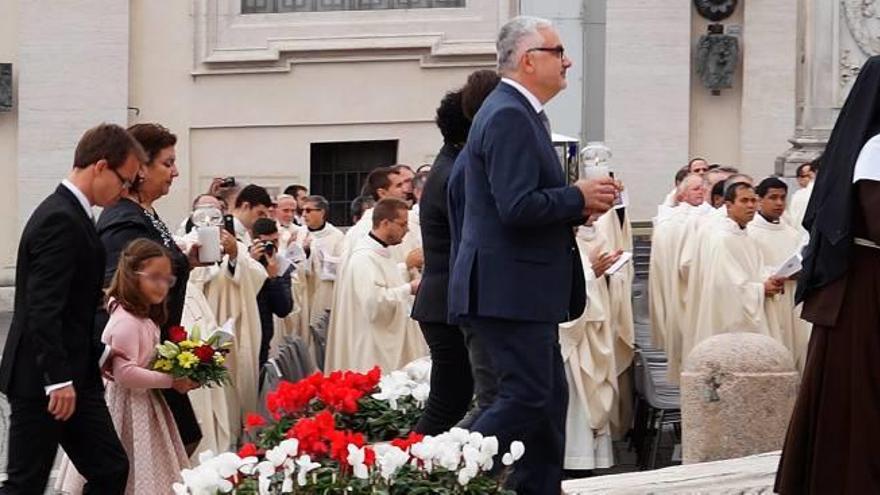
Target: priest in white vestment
[
  {"x": 322, "y": 244},
  {"x": 733, "y": 282},
  {"x": 617, "y": 230},
  {"x": 806, "y": 177},
  {"x": 587, "y": 345},
  {"x": 779, "y": 242},
  {"x": 698, "y": 167},
  {"x": 230, "y": 291},
  {"x": 666, "y": 289},
  {"x": 694, "y": 252},
  {"x": 285, "y": 213},
  {"x": 212, "y": 405},
  {"x": 370, "y": 323},
  {"x": 384, "y": 182}
]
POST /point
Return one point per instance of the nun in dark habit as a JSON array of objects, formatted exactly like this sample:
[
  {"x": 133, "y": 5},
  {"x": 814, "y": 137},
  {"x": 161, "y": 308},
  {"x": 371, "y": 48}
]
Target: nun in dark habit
[{"x": 834, "y": 434}]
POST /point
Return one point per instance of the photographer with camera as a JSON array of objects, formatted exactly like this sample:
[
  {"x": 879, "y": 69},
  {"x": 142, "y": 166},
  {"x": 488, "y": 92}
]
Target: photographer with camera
[{"x": 275, "y": 296}]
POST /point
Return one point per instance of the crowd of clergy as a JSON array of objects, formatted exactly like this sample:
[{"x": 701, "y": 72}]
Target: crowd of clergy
[
  {"x": 725, "y": 256},
  {"x": 719, "y": 245},
  {"x": 362, "y": 282}
]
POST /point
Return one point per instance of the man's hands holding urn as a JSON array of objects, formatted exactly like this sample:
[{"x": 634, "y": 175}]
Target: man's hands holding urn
[{"x": 599, "y": 194}]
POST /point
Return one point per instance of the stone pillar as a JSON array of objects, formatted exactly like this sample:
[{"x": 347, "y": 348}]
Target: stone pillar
[
  {"x": 737, "y": 394},
  {"x": 647, "y": 103},
  {"x": 825, "y": 70},
  {"x": 73, "y": 75},
  {"x": 769, "y": 81},
  {"x": 566, "y": 109}
]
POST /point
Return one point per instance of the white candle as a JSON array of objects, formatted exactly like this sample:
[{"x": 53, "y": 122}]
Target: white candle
[
  {"x": 596, "y": 172},
  {"x": 209, "y": 244}
]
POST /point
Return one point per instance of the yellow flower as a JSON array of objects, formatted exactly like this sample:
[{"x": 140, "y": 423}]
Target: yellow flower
[
  {"x": 219, "y": 359},
  {"x": 163, "y": 365},
  {"x": 188, "y": 344},
  {"x": 187, "y": 359}
]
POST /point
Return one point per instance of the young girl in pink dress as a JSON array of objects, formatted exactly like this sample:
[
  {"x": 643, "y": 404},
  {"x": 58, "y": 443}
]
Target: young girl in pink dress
[{"x": 136, "y": 302}]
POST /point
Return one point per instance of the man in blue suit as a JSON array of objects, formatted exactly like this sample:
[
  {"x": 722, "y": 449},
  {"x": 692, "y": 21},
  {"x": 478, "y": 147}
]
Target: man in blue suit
[{"x": 516, "y": 272}]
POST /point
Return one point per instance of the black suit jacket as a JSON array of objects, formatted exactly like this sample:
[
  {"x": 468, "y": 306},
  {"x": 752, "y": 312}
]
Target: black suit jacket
[
  {"x": 58, "y": 280},
  {"x": 431, "y": 300}
]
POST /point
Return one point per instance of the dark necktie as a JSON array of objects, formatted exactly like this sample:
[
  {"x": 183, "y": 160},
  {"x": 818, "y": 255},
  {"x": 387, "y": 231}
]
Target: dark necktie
[{"x": 546, "y": 122}]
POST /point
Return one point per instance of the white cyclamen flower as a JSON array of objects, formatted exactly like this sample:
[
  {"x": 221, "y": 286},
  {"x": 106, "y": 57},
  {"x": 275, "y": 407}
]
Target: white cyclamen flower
[
  {"x": 420, "y": 393},
  {"x": 419, "y": 370},
  {"x": 305, "y": 465},
  {"x": 290, "y": 447},
  {"x": 448, "y": 456},
  {"x": 356, "y": 458},
  {"x": 276, "y": 456},
  {"x": 265, "y": 470},
  {"x": 459, "y": 435},
  {"x": 467, "y": 473},
  {"x": 390, "y": 460},
  {"x": 517, "y": 449}
]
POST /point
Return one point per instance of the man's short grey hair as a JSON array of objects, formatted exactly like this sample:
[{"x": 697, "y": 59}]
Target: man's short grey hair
[
  {"x": 512, "y": 37},
  {"x": 320, "y": 202},
  {"x": 689, "y": 179}
]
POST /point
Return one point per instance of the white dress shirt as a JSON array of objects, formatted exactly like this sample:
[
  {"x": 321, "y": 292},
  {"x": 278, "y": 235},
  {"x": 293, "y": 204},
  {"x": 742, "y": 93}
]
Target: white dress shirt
[
  {"x": 87, "y": 207},
  {"x": 533, "y": 100}
]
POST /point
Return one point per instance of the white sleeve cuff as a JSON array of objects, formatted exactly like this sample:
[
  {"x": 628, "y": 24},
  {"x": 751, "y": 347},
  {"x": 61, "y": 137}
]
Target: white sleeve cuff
[{"x": 52, "y": 388}]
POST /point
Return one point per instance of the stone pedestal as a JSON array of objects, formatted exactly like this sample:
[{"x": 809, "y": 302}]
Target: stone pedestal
[{"x": 737, "y": 394}]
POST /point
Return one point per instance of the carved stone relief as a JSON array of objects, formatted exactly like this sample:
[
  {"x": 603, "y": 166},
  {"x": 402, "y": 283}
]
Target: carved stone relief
[
  {"x": 863, "y": 20},
  {"x": 717, "y": 57},
  {"x": 715, "y": 10}
]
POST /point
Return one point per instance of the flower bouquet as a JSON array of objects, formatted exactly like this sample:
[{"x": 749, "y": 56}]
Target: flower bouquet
[{"x": 185, "y": 354}]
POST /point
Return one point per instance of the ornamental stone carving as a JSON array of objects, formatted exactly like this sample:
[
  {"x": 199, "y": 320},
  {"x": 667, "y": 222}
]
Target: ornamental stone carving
[
  {"x": 717, "y": 57},
  {"x": 863, "y": 21},
  {"x": 715, "y": 10}
]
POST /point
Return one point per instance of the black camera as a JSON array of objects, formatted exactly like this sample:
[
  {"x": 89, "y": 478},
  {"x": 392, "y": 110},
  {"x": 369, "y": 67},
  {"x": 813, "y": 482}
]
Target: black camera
[
  {"x": 227, "y": 182},
  {"x": 269, "y": 248}
]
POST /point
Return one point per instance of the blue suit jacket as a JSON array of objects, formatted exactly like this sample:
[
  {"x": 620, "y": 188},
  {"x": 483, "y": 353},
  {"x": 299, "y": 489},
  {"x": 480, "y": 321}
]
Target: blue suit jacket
[{"x": 513, "y": 252}]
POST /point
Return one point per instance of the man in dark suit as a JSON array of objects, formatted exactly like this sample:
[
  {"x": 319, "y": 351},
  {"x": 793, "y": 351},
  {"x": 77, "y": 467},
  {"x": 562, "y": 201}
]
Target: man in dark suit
[
  {"x": 516, "y": 271},
  {"x": 50, "y": 369}
]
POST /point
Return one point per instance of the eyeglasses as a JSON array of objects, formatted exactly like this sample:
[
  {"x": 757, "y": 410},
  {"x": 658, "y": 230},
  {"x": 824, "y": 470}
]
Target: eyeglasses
[
  {"x": 558, "y": 50},
  {"x": 309, "y": 210},
  {"x": 126, "y": 184},
  {"x": 170, "y": 281}
]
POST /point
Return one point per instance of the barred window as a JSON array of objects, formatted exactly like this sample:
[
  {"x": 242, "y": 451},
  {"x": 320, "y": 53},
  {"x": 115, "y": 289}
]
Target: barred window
[{"x": 284, "y": 6}]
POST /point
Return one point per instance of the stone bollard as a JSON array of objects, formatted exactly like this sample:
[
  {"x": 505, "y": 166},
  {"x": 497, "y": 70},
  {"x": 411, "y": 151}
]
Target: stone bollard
[{"x": 737, "y": 394}]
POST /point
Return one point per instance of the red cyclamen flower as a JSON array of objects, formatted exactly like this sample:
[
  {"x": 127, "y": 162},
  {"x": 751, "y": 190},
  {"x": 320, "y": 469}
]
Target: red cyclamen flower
[
  {"x": 253, "y": 420},
  {"x": 247, "y": 450}
]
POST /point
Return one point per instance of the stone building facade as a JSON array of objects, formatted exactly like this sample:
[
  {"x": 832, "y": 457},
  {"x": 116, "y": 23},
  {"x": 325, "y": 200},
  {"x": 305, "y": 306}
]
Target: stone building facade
[{"x": 318, "y": 91}]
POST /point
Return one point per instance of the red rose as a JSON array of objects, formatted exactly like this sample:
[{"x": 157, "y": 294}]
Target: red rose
[
  {"x": 253, "y": 421},
  {"x": 205, "y": 353},
  {"x": 177, "y": 334},
  {"x": 247, "y": 450}
]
